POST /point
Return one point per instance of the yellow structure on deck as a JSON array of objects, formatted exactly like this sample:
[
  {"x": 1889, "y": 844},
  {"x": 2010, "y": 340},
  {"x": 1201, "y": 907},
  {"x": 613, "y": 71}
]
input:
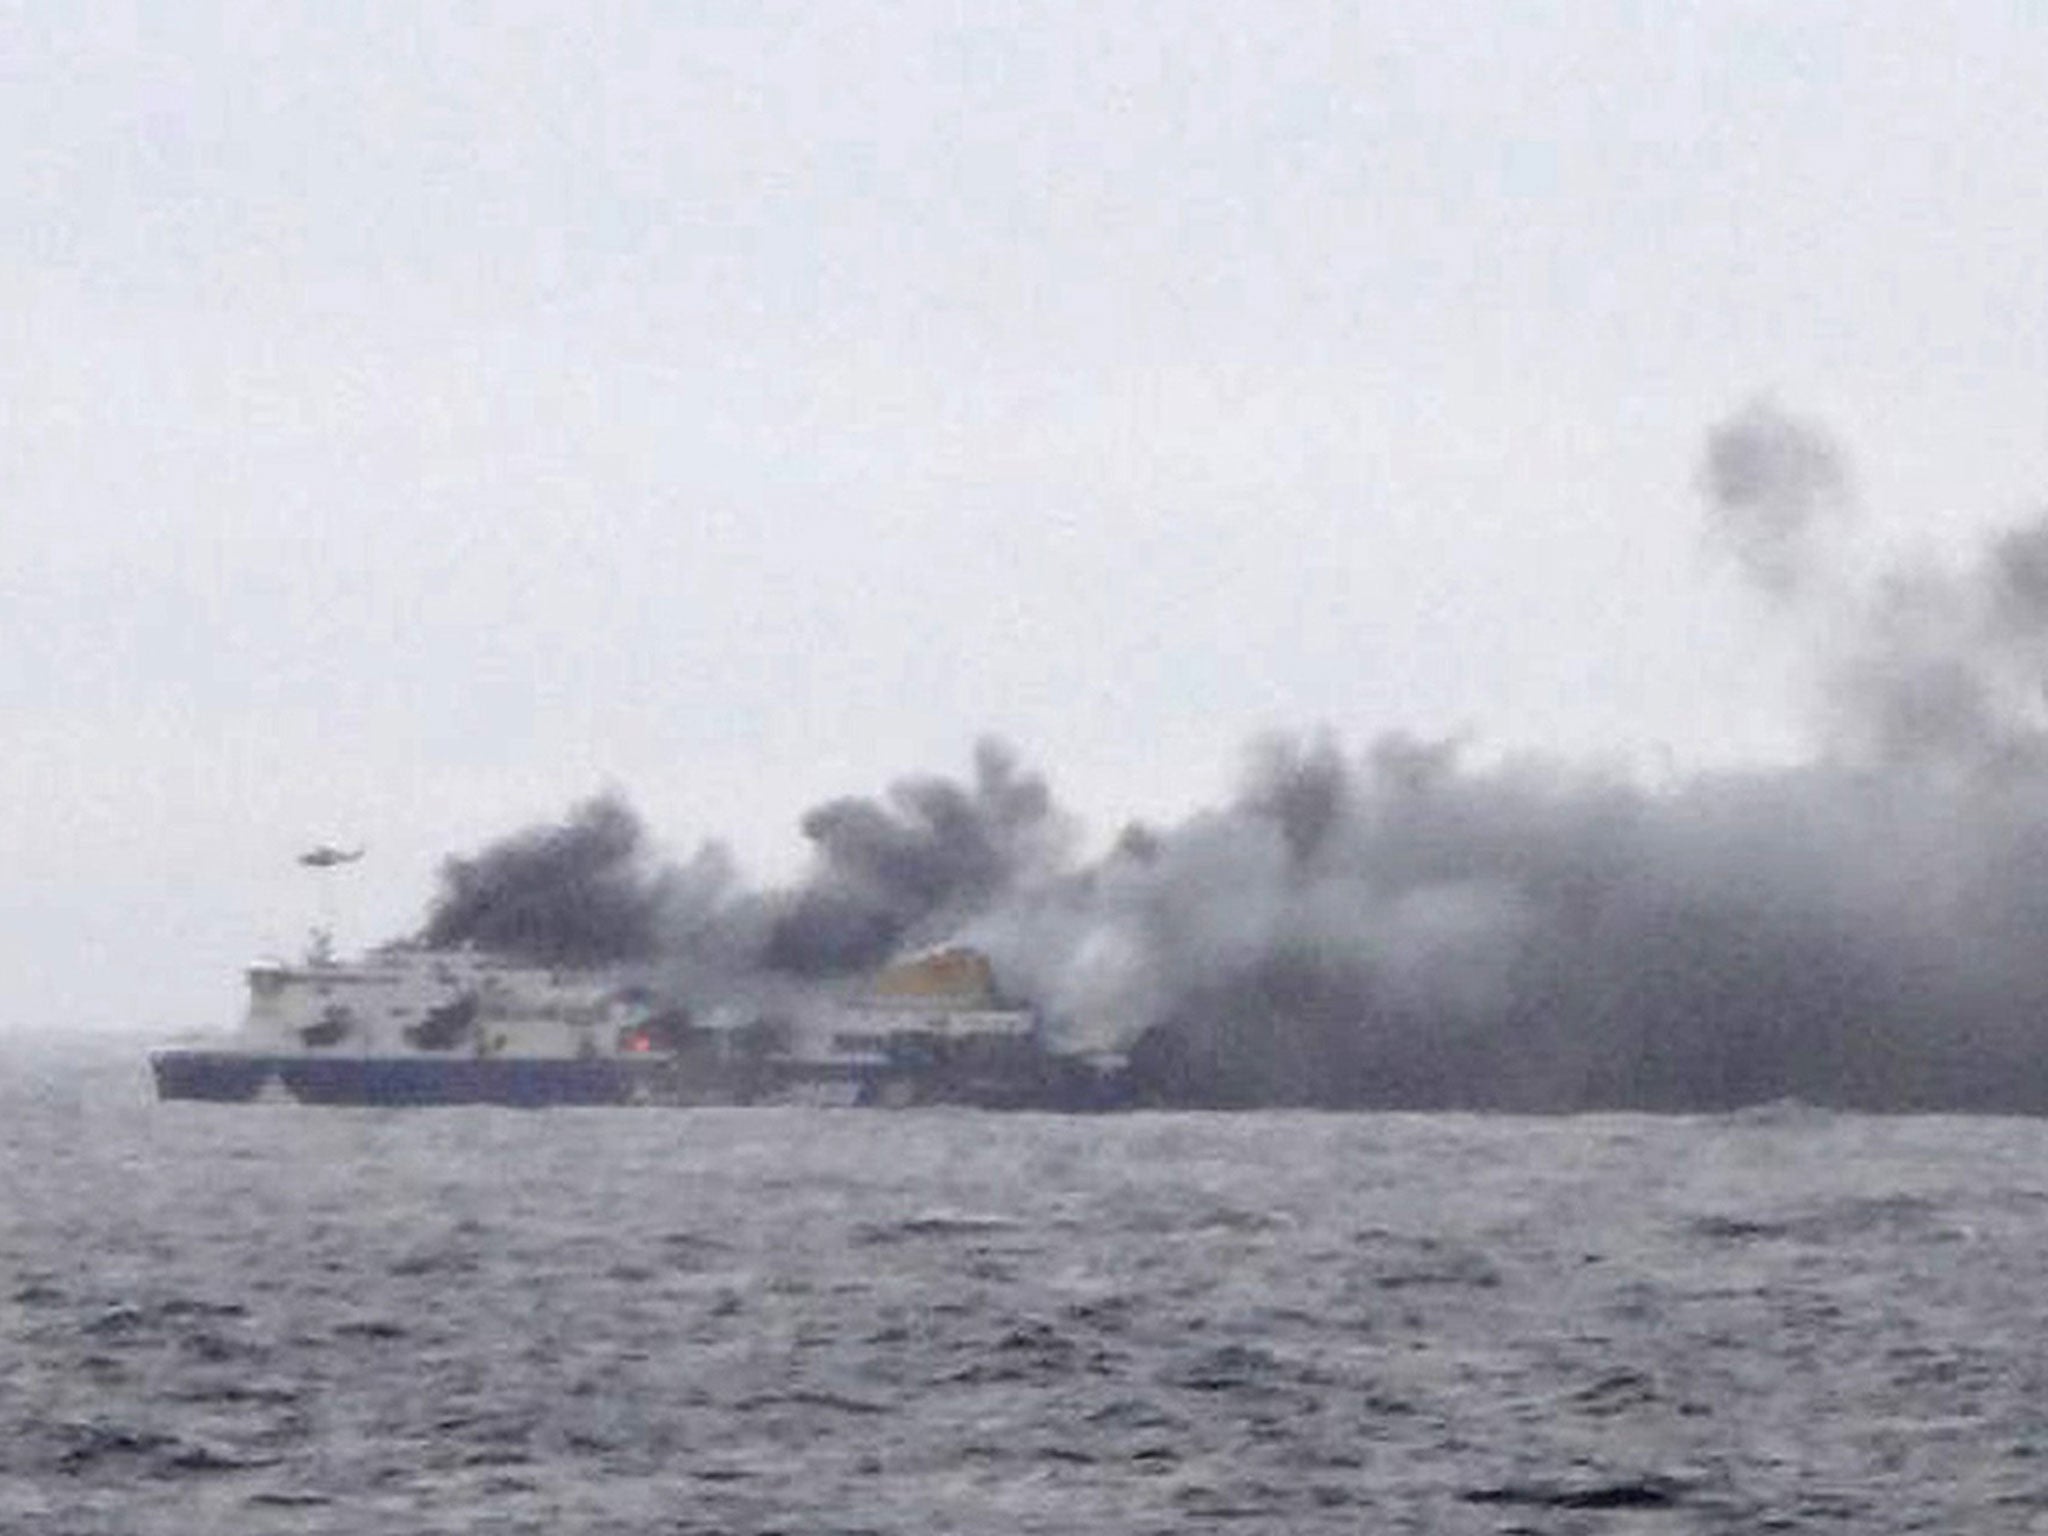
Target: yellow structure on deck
[{"x": 945, "y": 978}]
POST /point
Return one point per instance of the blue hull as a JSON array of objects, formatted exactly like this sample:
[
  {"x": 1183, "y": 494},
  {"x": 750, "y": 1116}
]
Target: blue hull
[
  {"x": 234, "y": 1077},
  {"x": 243, "y": 1077}
]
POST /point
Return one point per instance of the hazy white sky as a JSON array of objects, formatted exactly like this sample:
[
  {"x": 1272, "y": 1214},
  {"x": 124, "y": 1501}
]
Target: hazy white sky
[{"x": 417, "y": 418}]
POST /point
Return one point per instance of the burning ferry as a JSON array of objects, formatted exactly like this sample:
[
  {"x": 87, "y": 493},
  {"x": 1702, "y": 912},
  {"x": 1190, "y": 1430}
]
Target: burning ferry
[{"x": 408, "y": 1025}]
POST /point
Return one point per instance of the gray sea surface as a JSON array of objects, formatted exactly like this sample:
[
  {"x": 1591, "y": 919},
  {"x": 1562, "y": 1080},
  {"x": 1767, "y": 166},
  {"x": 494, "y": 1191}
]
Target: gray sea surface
[{"x": 283, "y": 1320}]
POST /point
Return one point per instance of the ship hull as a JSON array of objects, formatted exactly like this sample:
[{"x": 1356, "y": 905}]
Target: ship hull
[
  {"x": 235, "y": 1077},
  {"x": 252, "y": 1077}
]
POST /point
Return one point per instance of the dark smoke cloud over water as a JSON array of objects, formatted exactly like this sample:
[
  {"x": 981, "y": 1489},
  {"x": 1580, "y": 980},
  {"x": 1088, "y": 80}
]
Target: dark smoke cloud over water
[
  {"x": 1404, "y": 925},
  {"x": 1773, "y": 484},
  {"x": 1948, "y": 667},
  {"x": 578, "y": 893},
  {"x": 888, "y": 869}
]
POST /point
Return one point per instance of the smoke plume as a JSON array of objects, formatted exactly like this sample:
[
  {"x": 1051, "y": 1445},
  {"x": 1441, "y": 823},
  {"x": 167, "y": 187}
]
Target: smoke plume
[
  {"x": 1948, "y": 663},
  {"x": 1403, "y": 925},
  {"x": 575, "y": 894},
  {"x": 912, "y": 864},
  {"x": 1772, "y": 484}
]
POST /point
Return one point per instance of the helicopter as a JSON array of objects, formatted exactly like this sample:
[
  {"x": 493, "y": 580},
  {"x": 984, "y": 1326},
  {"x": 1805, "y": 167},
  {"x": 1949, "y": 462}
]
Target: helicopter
[{"x": 326, "y": 856}]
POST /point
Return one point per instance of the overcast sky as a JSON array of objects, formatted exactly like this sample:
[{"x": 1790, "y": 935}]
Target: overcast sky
[{"x": 420, "y": 417}]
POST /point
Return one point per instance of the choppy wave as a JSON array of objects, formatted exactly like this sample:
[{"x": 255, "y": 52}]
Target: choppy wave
[{"x": 278, "y": 1320}]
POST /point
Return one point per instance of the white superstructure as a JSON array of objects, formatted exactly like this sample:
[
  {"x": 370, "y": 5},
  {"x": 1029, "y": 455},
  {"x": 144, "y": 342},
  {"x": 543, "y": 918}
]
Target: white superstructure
[{"x": 403, "y": 1000}]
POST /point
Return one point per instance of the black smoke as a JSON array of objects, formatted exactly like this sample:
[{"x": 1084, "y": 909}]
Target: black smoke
[
  {"x": 1409, "y": 924},
  {"x": 909, "y": 865},
  {"x": 579, "y": 893},
  {"x": 1773, "y": 484},
  {"x": 1947, "y": 667},
  {"x": 928, "y": 855}
]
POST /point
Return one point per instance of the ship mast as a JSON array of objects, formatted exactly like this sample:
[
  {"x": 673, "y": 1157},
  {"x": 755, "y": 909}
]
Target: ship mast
[{"x": 325, "y": 860}]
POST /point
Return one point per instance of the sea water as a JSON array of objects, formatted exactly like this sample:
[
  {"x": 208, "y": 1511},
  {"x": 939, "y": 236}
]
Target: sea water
[{"x": 274, "y": 1319}]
